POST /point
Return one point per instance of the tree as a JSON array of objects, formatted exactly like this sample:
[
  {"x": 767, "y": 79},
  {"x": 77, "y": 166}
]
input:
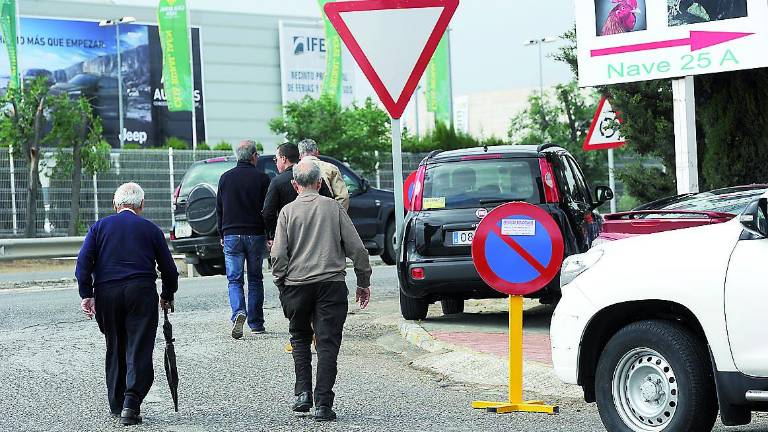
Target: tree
[
  {"x": 74, "y": 126},
  {"x": 566, "y": 113},
  {"x": 21, "y": 124},
  {"x": 353, "y": 134}
]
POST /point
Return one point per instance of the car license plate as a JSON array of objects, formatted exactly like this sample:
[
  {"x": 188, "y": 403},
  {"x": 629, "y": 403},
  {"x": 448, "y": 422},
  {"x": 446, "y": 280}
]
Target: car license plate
[
  {"x": 463, "y": 238},
  {"x": 183, "y": 229}
]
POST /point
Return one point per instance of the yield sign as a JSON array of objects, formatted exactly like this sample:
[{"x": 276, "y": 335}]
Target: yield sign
[
  {"x": 603, "y": 134},
  {"x": 392, "y": 41}
]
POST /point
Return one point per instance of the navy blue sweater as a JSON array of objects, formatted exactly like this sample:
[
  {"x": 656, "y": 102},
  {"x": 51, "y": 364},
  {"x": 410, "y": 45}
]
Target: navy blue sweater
[
  {"x": 123, "y": 248},
  {"x": 239, "y": 200}
]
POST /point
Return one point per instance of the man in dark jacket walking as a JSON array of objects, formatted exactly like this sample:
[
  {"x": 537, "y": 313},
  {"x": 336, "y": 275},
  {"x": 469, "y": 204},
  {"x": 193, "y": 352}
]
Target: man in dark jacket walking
[
  {"x": 239, "y": 201},
  {"x": 281, "y": 190},
  {"x": 116, "y": 274}
]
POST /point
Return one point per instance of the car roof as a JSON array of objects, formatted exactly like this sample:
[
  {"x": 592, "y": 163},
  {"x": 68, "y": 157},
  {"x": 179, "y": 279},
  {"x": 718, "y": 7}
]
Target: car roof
[
  {"x": 507, "y": 150},
  {"x": 679, "y": 201}
]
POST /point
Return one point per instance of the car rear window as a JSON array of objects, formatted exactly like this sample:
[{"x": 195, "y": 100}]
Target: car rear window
[
  {"x": 466, "y": 184},
  {"x": 207, "y": 173}
]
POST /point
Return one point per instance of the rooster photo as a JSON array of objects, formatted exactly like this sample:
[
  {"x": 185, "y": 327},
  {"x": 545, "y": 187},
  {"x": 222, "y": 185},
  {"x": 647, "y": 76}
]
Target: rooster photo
[
  {"x": 683, "y": 12},
  {"x": 620, "y": 16}
]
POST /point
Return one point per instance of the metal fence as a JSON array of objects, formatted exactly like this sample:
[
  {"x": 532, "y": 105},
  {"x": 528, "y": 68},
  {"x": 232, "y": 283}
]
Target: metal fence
[{"x": 150, "y": 168}]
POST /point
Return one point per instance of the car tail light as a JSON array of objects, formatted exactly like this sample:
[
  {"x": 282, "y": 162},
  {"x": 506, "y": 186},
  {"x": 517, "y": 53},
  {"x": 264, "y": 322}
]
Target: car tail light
[
  {"x": 548, "y": 180},
  {"x": 417, "y": 273},
  {"x": 418, "y": 188},
  {"x": 176, "y": 193},
  {"x": 173, "y": 234}
]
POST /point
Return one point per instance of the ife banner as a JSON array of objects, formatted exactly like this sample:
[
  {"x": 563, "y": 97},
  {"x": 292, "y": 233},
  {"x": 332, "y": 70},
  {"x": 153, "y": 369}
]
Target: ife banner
[
  {"x": 8, "y": 28},
  {"x": 438, "y": 90},
  {"x": 174, "y": 38},
  {"x": 332, "y": 81}
]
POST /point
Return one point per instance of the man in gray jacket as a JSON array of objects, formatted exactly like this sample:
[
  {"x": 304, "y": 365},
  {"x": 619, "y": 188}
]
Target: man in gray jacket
[{"x": 314, "y": 236}]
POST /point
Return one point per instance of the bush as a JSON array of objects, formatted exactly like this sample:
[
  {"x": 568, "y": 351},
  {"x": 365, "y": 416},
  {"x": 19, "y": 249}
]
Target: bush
[
  {"x": 203, "y": 146},
  {"x": 132, "y": 146},
  {"x": 223, "y": 146},
  {"x": 176, "y": 143},
  {"x": 443, "y": 137}
]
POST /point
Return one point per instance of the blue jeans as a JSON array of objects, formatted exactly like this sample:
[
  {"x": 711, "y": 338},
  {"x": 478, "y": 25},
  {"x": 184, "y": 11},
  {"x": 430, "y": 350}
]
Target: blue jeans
[{"x": 238, "y": 250}]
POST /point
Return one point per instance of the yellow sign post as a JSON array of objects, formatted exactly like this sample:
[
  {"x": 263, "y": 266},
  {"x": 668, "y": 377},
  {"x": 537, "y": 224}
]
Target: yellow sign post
[{"x": 516, "y": 403}]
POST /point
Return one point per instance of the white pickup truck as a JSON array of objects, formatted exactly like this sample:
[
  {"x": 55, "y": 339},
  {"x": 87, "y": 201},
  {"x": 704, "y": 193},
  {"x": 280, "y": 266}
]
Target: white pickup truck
[{"x": 664, "y": 330}]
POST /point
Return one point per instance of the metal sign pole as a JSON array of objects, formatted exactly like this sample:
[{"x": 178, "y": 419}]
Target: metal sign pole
[
  {"x": 172, "y": 181},
  {"x": 13, "y": 190},
  {"x": 192, "y": 75},
  {"x": 612, "y": 179},
  {"x": 686, "y": 156},
  {"x": 397, "y": 169},
  {"x": 120, "y": 108}
]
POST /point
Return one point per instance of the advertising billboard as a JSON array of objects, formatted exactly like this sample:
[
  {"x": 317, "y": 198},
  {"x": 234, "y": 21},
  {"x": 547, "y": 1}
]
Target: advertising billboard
[
  {"x": 303, "y": 62},
  {"x": 80, "y": 58},
  {"x": 636, "y": 40}
]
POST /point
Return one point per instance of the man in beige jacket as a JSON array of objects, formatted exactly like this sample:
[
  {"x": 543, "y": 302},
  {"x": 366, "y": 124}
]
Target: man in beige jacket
[
  {"x": 313, "y": 239},
  {"x": 330, "y": 172}
]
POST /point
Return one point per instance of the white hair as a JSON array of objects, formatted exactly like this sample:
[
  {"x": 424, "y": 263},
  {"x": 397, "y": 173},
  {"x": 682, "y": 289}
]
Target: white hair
[
  {"x": 129, "y": 195},
  {"x": 306, "y": 173},
  {"x": 308, "y": 147}
]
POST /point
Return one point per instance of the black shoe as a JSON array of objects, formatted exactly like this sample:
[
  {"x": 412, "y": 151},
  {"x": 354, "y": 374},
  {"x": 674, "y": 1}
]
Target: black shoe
[
  {"x": 129, "y": 417},
  {"x": 324, "y": 414},
  {"x": 114, "y": 414},
  {"x": 237, "y": 326},
  {"x": 303, "y": 402}
]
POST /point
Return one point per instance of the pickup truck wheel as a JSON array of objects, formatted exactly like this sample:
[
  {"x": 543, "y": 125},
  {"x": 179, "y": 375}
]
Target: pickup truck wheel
[
  {"x": 654, "y": 376},
  {"x": 452, "y": 306},
  {"x": 413, "y": 308},
  {"x": 207, "y": 268},
  {"x": 389, "y": 256}
]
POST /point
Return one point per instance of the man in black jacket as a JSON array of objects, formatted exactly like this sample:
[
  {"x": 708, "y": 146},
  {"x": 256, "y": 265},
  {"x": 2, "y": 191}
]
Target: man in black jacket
[
  {"x": 239, "y": 201},
  {"x": 281, "y": 191}
]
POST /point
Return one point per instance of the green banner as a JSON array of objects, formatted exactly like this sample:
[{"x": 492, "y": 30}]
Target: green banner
[
  {"x": 438, "y": 89},
  {"x": 8, "y": 28},
  {"x": 333, "y": 78},
  {"x": 174, "y": 38}
]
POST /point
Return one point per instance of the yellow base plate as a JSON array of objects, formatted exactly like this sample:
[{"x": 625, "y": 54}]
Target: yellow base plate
[{"x": 506, "y": 407}]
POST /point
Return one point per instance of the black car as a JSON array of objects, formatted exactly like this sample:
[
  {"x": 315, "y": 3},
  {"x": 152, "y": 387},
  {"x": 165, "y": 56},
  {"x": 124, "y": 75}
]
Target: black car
[
  {"x": 194, "y": 231},
  {"x": 458, "y": 189}
]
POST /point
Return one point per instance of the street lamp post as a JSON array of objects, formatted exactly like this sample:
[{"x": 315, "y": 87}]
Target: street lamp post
[
  {"x": 539, "y": 43},
  {"x": 116, "y": 23}
]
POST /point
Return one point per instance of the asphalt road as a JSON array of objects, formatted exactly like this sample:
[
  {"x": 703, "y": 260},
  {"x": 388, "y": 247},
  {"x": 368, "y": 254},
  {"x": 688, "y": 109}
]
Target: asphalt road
[{"x": 52, "y": 377}]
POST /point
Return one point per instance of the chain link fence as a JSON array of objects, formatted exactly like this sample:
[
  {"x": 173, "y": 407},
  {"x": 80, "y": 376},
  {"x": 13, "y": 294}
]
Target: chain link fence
[{"x": 151, "y": 168}]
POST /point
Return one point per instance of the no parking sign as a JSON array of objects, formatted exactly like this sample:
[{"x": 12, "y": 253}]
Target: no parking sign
[{"x": 518, "y": 249}]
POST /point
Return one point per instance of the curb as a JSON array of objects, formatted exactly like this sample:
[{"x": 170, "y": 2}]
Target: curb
[{"x": 463, "y": 364}]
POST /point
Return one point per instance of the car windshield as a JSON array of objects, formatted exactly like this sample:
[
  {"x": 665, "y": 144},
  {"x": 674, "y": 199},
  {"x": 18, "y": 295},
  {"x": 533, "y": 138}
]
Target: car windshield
[
  {"x": 207, "y": 173},
  {"x": 470, "y": 184},
  {"x": 731, "y": 201},
  {"x": 83, "y": 80}
]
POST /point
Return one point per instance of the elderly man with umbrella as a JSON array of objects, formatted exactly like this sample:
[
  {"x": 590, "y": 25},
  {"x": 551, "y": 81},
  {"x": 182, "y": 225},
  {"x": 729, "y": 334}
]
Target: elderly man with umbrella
[{"x": 116, "y": 274}]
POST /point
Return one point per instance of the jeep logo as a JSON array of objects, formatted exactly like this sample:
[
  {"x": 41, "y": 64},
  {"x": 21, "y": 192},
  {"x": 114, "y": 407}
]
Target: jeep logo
[{"x": 134, "y": 136}]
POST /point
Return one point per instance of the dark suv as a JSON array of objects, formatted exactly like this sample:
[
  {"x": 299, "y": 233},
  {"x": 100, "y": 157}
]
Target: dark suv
[
  {"x": 194, "y": 231},
  {"x": 456, "y": 189}
]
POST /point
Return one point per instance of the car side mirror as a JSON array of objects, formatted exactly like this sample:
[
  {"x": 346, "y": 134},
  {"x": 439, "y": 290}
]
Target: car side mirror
[
  {"x": 603, "y": 195},
  {"x": 755, "y": 218},
  {"x": 365, "y": 185}
]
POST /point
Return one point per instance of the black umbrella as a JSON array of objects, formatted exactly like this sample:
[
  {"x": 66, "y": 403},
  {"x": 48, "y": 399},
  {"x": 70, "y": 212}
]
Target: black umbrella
[{"x": 170, "y": 362}]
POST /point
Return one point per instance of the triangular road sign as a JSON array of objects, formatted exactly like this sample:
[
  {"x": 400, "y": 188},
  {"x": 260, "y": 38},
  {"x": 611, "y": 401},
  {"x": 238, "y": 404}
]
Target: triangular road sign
[
  {"x": 392, "y": 41},
  {"x": 603, "y": 134}
]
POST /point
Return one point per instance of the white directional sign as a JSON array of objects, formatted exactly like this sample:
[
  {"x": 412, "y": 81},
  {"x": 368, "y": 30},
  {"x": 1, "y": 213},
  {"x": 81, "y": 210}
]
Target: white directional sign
[{"x": 637, "y": 40}]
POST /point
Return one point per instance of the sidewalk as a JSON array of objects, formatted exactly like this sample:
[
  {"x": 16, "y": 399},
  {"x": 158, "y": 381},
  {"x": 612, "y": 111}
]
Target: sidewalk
[{"x": 473, "y": 347}]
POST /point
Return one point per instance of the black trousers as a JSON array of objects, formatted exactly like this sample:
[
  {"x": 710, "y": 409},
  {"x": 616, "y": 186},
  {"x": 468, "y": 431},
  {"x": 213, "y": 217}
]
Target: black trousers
[
  {"x": 128, "y": 317},
  {"x": 316, "y": 309}
]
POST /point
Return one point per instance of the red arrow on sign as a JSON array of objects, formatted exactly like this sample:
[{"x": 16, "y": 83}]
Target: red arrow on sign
[
  {"x": 392, "y": 41},
  {"x": 698, "y": 40}
]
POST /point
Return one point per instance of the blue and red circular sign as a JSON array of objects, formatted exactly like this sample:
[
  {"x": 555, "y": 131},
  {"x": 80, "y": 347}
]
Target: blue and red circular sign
[
  {"x": 408, "y": 189},
  {"x": 518, "y": 249}
]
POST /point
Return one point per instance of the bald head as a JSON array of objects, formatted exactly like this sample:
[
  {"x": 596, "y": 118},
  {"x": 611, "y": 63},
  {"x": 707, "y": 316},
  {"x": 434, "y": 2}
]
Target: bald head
[{"x": 306, "y": 174}]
